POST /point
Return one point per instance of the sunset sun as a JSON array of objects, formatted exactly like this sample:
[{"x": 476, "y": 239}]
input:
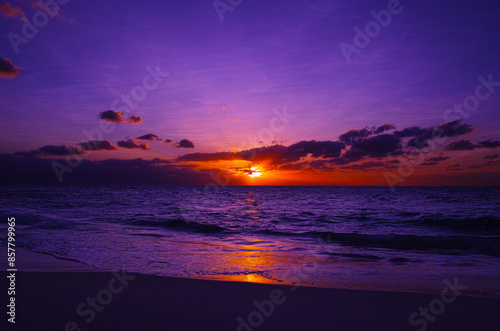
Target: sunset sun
[{"x": 254, "y": 172}]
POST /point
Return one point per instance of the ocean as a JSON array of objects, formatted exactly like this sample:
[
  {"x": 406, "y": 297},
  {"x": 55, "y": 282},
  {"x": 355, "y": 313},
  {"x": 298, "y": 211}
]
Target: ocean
[{"x": 410, "y": 239}]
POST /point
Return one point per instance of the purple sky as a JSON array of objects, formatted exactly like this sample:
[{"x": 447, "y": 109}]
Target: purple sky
[{"x": 226, "y": 77}]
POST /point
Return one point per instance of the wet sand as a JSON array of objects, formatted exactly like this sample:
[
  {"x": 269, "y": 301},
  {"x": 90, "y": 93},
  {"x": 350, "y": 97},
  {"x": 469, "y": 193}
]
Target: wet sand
[{"x": 64, "y": 300}]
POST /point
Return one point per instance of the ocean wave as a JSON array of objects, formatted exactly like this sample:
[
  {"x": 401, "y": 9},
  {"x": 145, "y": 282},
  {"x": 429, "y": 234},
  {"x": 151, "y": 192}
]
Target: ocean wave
[
  {"x": 488, "y": 224},
  {"x": 31, "y": 219},
  {"x": 480, "y": 245},
  {"x": 448, "y": 244},
  {"x": 357, "y": 257},
  {"x": 181, "y": 224}
]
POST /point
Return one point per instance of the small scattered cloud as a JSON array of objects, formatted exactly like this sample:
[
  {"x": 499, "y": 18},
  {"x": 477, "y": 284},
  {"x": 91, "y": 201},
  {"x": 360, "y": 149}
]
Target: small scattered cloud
[
  {"x": 134, "y": 119},
  {"x": 490, "y": 143},
  {"x": 118, "y": 117},
  {"x": 149, "y": 137},
  {"x": 461, "y": 145},
  {"x": 111, "y": 116},
  {"x": 184, "y": 143},
  {"x": 133, "y": 144},
  {"x": 12, "y": 11},
  {"x": 491, "y": 157},
  {"x": 7, "y": 69}
]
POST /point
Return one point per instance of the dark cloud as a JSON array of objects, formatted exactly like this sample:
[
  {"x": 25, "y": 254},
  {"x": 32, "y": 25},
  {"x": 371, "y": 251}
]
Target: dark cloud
[
  {"x": 206, "y": 157},
  {"x": 343, "y": 160},
  {"x": 352, "y": 136},
  {"x": 490, "y": 143},
  {"x": 111, "y": 116},
  {"x": 184, "y": 143},
  {"x": 330, "y": 151},
  {"x": 7, "y": 69},
  {"x": 275, "y": 155},
  {"x": 413, "y": 131},
  {"x": 150, "y": 137},
  {"x": 118, "y": 117},
  {"x": 320, "y": 164},
  {"x": 461, "y": 145},
  {"x": 455, "y": 128},
  {"x": 133, "y": 144},
  {"x": 492, "y": 163},
  {"x": 12, "y": 11},
  {"x": 365, "y": 166},
  {"x": 454, "y": 167},
  {"x": 278, "y": 154},
  {"x": 437, "y": 159},
  {"x": 32, "y": 153},
  {"x": 32, "y": 170},
  {"x": 97, "y": 145},
  {"x": 429, "y": 163},
  {"x": 133, "y": 162},
  {"x": 59, "y": 150},
  {"x": 491, "y": 157},
  {"x": 317, "y": 148},
  {"x": 383, "y": 128},
  {"x": 351, "y": 155},
  {"x": 378, "y": 146},
  {"x": 422, "y": 135}
]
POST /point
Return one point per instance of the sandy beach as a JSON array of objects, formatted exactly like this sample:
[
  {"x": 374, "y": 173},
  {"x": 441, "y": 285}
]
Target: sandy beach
[{"x": 80, "y": 298}]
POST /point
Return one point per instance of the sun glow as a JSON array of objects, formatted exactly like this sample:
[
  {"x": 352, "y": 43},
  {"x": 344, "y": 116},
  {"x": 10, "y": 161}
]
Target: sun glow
[{"x": 254, "y": 172}]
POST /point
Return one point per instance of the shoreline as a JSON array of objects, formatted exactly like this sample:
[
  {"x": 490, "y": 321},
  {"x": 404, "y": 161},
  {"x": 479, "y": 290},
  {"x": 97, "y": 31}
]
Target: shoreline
[{"x": 33, "y": 261}]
